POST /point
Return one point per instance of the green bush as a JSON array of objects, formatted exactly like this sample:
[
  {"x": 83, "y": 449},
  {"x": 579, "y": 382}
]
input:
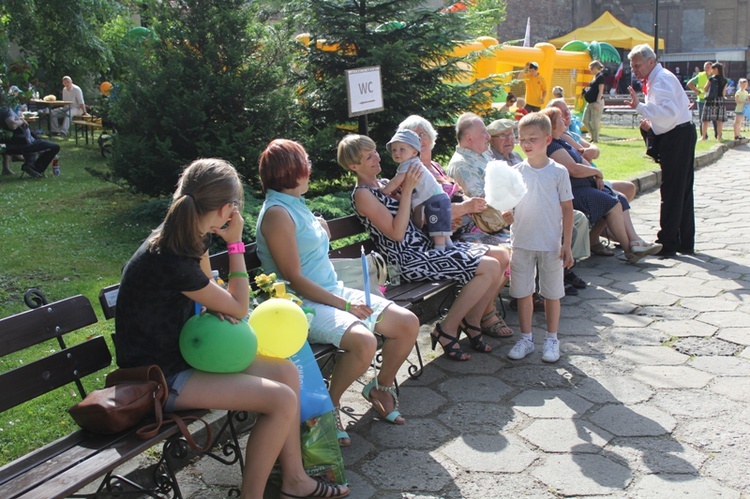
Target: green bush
[{"x": 209, "y": 83}]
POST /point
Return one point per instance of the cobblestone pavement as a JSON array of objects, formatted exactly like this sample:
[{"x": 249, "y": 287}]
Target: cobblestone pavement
[{"x": 651, "y": 397}]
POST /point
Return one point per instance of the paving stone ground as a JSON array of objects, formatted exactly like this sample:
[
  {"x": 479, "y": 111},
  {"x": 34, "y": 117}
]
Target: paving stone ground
[{"x": 651, "y": 397}]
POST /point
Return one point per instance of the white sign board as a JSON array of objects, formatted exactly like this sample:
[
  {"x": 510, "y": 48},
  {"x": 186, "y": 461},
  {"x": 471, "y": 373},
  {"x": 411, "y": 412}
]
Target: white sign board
[{"x": 364, "y": 90}]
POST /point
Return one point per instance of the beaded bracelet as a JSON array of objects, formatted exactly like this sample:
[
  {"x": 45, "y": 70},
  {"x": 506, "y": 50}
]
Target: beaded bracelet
[{"x": 238, "y": 274}]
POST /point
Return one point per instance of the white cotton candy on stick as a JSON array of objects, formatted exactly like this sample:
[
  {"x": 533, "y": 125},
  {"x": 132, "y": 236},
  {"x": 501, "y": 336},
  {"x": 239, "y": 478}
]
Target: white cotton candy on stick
[{"x": 503, "y": 186}]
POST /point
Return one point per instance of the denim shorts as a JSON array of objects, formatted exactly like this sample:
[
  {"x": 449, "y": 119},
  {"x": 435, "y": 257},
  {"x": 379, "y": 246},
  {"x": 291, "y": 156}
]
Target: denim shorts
[{"x": 176, "y": 383}]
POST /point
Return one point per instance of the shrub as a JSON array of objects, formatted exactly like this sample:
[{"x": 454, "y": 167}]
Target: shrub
[{"x": 209, "y": 83}]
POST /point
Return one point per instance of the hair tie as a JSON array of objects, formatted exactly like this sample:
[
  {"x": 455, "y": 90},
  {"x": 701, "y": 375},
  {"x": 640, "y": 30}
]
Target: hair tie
[{"x": 190, "y": 196}]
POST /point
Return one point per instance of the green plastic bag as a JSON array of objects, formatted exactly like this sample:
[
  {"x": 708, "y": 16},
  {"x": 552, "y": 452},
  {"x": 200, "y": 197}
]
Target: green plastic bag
[{"x": 321, "y": 454}]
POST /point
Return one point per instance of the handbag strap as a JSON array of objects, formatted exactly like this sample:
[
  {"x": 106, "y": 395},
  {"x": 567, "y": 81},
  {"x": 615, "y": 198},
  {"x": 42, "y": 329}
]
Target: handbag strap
[{"x": 150, "y": 430}]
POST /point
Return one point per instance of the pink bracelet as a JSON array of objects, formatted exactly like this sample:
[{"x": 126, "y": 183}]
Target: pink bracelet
[{"x": 234, "y": 248}]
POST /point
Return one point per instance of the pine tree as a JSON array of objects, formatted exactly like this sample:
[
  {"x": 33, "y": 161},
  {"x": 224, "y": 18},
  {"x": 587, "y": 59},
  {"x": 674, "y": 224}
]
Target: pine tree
[{"x": 408, "y": 42}]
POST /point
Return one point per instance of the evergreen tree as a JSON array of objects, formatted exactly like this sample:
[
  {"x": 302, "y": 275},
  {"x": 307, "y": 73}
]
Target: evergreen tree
[
  {"x": 409, "y": 43},
  {"x": 209, "y": 83}
]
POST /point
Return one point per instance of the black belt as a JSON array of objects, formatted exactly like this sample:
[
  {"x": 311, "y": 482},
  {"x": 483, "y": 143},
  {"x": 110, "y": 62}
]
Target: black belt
[{"x": 683, "y": 125}]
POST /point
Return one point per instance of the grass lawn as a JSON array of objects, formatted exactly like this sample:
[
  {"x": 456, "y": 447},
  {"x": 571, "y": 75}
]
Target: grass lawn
[{"x": 71, "y": 234}]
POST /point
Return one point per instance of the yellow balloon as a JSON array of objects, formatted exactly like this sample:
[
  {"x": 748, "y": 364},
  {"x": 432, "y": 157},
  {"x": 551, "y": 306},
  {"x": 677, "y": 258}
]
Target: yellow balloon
[{"x": 280, "y": 326}]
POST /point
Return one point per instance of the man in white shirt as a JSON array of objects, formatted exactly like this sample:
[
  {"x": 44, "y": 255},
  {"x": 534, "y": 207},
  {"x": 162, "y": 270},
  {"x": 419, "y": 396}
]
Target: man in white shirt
[
  {"x": 666, "y": 112},
  {"x": 72, "y": 93}
]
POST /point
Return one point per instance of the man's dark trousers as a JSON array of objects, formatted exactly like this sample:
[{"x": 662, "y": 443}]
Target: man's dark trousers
[{"x": 677, "y": 217}]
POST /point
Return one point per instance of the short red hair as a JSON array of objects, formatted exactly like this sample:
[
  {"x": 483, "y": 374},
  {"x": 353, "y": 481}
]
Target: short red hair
[{"x": 282, "y": 165}]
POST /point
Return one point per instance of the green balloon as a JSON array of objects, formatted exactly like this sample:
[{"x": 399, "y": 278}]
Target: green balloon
[{"x": 213, "y": 345}]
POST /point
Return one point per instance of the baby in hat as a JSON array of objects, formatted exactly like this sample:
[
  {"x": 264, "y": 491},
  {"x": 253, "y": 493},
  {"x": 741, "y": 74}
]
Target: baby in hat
[{"x": 404, "y": 148}]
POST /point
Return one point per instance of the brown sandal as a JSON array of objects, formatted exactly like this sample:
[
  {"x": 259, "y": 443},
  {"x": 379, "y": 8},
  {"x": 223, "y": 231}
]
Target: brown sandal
[
  {"x": 600, "y": 250},
  {"x": 498, "y": 329}
]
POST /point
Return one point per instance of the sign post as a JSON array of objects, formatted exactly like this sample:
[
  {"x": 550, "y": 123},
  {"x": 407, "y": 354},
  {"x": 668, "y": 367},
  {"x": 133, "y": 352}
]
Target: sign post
[{"x": 364, "y": 93}]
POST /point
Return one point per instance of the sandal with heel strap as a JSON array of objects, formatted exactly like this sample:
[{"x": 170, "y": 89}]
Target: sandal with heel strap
[
  {"x": 322, "y": 489},
  {"x": 341, "y": 434},
  {"x": 392, "y": 416},
  {"x": 498, "y": 329},
  {"x": 477, "y": 343},
  {"x": 451, "y": 350}
]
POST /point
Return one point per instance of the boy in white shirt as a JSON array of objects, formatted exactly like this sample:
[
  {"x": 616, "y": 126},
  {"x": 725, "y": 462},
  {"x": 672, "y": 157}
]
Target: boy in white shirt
[{"x": 542, "y": 219}]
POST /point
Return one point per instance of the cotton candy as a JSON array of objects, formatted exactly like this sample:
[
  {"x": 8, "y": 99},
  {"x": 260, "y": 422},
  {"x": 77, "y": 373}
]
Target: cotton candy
[{"x": 503, "y": 186}]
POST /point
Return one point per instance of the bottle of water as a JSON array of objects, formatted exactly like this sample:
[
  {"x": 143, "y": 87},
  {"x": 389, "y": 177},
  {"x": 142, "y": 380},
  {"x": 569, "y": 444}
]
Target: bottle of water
[{"x": 55, "y": 166}]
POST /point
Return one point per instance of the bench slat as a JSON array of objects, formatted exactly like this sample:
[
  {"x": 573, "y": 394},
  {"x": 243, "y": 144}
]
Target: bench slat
[
  {"x": 28, "y": 328},
  {"x": 39, "y": 377},
  {"x": 345, "y": 227},
  {"x": 75, "y": 461}
]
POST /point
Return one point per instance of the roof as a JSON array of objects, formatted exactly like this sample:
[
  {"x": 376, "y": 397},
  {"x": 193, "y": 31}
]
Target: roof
[{"x": 611, "y": 30}]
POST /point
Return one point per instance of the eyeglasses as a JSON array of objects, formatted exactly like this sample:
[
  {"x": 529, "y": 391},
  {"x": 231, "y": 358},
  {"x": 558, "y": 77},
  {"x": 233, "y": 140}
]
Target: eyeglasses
[{"x": 236, "y": 203}]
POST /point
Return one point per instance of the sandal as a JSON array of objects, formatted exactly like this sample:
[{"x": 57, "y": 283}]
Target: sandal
[
  {"x": 322, "y": 489},
  {"x": 600, "y": 250},
  {"x": 341, "y": 434},
  {"x": 451, "y": 349},
  {"x": 499, "y": 328},
  {"x": 392, "y": 416},
  {"x": 477, "y": 343}
]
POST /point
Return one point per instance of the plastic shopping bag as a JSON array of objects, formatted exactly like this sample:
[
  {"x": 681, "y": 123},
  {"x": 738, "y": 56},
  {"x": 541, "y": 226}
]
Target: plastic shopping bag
[{"x": 321, "y": 454}]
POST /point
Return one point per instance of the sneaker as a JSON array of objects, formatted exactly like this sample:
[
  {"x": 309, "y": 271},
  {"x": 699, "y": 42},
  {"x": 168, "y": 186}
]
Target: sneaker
[
  {"x": 551, "y": 350},
  {"x": 30, "y": 171},
  {"x": 570, "y": 290},
  {"x": 521, "y": 349}
]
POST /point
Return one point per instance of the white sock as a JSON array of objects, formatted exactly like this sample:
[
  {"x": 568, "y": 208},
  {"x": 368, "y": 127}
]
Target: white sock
[
  {"x": 550, "y": 336},
  {"x": 440, "y": 247},
  {"x": 528, "y": 337}
]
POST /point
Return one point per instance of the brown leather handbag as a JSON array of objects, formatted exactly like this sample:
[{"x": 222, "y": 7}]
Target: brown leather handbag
[{"x": 131, "y": 395}]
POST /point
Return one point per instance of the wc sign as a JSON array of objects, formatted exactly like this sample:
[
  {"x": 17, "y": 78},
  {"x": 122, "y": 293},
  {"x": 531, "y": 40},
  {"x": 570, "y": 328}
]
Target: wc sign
[{"x": 364, "y": 91}]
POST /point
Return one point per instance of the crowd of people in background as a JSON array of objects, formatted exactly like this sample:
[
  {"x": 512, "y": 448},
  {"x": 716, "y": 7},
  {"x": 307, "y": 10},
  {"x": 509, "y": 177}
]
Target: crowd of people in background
[{"x": 434, "y": 223}]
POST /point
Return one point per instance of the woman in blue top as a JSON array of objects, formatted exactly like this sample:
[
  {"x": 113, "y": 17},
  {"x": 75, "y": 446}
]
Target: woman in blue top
[{"x": 294, "y": 243}]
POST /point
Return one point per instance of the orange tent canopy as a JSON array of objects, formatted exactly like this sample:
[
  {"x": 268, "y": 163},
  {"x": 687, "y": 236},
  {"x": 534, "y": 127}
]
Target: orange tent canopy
[{"x": 611, "y": 30}]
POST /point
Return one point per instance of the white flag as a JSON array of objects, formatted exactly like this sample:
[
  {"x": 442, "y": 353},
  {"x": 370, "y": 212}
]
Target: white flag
[{"x": 527, "y": 37}]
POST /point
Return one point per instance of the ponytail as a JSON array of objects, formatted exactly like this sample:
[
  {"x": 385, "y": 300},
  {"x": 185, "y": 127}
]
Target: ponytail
[{"x": 205, "y": 185}]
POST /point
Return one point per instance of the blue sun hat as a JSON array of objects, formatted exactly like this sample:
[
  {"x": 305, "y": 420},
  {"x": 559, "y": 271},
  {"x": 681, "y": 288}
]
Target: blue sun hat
[{"x": 407, "y": 137}]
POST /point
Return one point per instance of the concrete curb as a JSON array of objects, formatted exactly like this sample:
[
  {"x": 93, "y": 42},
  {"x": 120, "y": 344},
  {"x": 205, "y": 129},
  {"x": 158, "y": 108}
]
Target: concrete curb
[{"x": 649, "y": 180}]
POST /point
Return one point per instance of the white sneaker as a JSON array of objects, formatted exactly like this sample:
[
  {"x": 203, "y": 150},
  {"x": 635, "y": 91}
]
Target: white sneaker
[
  {"x": 551, "y": 350},
  {"x": 521, "y": 349}
]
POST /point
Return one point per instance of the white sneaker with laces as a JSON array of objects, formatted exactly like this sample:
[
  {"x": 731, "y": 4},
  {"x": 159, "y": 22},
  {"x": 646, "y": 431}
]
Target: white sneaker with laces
[
  {"x": 521, "y": 349},
  {"x": 551, "y": 350}
]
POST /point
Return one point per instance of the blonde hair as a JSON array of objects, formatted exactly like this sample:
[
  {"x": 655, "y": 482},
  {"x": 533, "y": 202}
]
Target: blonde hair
[
  {"x": 558, "y": 92},
  {"x": 349, "y": 151},
  {"x": 596, "y": 64},
  {"x": 204, "y": 186},
  {"x": 539, "y": 120}
]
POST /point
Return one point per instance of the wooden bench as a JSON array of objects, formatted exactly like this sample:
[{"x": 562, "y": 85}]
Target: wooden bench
[
  {"x": 86, "y": 126},
  {"x": 63, "y": 467}
]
